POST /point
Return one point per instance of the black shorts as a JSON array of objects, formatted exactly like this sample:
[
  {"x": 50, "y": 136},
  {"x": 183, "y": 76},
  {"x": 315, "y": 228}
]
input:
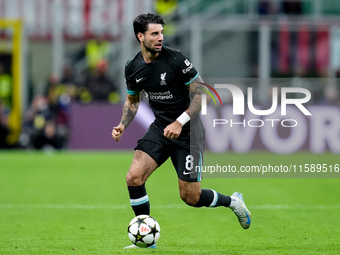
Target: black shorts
[{"x": 186, "y": 156}]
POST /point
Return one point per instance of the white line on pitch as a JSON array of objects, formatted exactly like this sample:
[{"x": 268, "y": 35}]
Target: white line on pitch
[{"x": 169, "y": 206}]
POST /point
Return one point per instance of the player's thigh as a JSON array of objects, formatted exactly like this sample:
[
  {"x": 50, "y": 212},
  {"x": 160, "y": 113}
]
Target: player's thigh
[
  {"x": 141, "y": 168},
  {"x": 155, "y": 145}
]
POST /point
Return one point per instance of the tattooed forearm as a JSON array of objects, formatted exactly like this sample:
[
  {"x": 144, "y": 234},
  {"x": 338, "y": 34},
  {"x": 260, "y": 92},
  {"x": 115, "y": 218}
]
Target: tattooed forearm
[
  {"x": 129, "y": 110},
  {"x": 197, "y": 89}
]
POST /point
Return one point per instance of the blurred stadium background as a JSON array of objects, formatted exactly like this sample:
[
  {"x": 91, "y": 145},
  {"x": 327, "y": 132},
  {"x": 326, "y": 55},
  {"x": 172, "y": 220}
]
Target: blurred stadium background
[
  {"x": 62, "y": 88},
  {"x": 61, "y": 65}
]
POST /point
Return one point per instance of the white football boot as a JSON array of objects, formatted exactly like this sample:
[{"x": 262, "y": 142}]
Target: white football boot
[
  {"x": 241, "y": 211},
  {"x": 133, "y": 246}
]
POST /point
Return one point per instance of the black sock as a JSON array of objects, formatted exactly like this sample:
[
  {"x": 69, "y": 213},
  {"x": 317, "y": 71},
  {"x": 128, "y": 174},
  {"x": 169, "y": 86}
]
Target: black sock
[
  {"x": 139, "y": 200},
  {"x": 211, "y": 198}
]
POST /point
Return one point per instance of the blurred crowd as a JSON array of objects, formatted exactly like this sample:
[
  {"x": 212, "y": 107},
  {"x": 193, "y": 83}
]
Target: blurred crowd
[
  {"x": 285, "y": 7},
  {"x": 46, "y": 121},
  {"x": 288, "y": 7}
]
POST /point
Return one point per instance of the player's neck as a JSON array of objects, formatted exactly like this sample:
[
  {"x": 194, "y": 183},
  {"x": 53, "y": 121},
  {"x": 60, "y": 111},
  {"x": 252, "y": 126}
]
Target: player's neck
[{"x": 149, "y": 56}]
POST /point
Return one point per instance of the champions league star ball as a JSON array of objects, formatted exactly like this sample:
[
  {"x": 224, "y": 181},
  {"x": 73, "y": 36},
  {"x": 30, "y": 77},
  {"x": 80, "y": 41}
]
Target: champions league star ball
[{"x": 143, "y": 231}]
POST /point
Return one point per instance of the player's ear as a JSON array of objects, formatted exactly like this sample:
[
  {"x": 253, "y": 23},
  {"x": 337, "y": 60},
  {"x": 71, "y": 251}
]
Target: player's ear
[{"x": 140, "y": 36}]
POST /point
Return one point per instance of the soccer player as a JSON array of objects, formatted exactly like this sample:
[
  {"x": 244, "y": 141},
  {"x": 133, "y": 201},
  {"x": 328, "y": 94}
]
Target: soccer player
[{"x": 174, "y": 89}]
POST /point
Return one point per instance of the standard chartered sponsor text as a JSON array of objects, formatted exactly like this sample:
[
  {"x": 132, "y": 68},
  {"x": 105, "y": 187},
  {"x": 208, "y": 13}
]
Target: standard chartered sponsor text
[{"x": 160, "y": 95}]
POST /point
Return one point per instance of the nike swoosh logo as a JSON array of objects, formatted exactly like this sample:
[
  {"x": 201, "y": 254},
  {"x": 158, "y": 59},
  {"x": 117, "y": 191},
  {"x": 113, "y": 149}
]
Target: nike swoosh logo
[
  {"x": 186, "y": 173},
  {"x": 248, "y": 218},
  {"x": 138, "y": 80}
]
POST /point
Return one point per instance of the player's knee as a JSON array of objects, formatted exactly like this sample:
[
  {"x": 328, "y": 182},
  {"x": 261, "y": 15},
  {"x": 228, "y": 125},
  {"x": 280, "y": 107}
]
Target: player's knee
[
  {"x": 189, "y": 198},
  {"x": 133, "y": 180}
]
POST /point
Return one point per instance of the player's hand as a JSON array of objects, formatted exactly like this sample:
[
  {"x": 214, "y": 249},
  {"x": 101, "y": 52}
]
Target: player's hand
[
  {"x": 173, "y": 130},
  {"x": 117, "y": 132}
]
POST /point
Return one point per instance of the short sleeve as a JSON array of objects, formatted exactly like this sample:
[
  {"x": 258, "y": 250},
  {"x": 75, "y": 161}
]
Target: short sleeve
[
  {"x": 131, "y": 90},
  {"x": 131, "y": 85}
]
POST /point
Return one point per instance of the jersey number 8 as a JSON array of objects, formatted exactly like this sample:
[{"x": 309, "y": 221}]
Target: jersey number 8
[{"x": 189, "y": 163}]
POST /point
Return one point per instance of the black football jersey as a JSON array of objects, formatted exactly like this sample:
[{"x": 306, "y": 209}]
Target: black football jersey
[{"x": 164, "y": 82}]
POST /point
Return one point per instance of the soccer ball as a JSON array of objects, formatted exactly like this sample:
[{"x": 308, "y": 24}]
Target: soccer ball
[{"x": 143, "y": 231}]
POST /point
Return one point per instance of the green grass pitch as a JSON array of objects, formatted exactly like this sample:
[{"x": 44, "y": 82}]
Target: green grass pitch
[{"x": 77, "y": 203}]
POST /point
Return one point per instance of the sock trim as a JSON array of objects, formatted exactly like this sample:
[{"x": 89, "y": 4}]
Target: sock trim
[
  {"x": 139, "y": 201},
  {"x": 213, "y": 203}
]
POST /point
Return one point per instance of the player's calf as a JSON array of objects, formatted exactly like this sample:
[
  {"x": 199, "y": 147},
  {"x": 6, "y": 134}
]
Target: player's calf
[{"x": 190, "y": 198}]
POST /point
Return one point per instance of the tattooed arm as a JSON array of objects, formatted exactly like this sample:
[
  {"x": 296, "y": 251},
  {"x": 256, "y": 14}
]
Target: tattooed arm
[
  {"x": 129, "y": 112},
  {"x": 196, "y": 88}
]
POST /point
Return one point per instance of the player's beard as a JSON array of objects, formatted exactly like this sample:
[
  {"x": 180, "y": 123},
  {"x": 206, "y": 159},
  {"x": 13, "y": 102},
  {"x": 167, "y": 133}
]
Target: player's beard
[{"x": 150, "y": 49}]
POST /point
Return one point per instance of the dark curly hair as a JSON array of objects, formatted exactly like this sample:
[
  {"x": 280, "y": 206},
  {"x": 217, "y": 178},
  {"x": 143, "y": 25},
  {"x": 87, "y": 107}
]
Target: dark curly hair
[{"x": 141, "y": 22}]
